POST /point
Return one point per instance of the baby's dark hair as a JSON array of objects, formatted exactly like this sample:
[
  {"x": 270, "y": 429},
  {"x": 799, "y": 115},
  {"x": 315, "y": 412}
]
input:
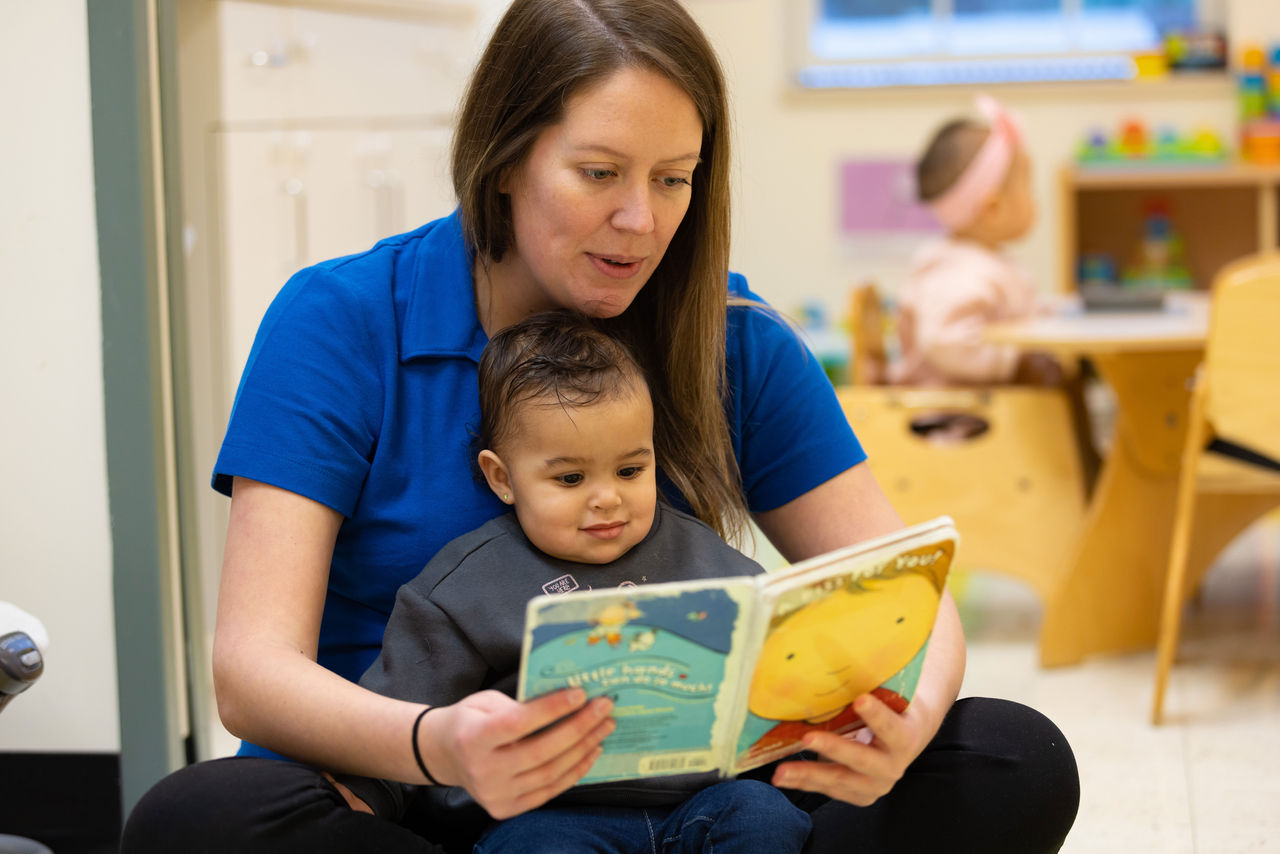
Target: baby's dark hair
[
  {"x": 561, "y": 356},
  {"x": 947, "y": 155}
]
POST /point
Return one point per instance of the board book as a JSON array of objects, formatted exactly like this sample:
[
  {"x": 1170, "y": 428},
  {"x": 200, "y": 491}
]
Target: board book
[{"x": 724, "y": 675}]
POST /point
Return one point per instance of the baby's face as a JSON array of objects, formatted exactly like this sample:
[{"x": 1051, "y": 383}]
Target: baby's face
[{"x": 582, "y": 477}]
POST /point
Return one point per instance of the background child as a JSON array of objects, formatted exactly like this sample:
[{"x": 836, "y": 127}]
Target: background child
[
  {"x": 976, "y": 179},
  {"x": 567, "y": 436}
]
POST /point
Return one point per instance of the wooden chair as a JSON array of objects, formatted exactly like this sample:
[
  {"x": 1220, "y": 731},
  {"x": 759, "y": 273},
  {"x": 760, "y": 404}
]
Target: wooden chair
[
  {"x": 1230, "y": 473},
  {"x": 1015, "y": 488},
  {"x": 867, "y": 320}
]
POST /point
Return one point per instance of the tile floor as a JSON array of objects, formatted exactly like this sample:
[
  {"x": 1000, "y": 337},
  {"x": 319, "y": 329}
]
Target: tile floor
[{"x": 1208, "y": 781}]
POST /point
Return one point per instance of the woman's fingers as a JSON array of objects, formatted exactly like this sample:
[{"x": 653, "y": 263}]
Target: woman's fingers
[
  {"x": 563, "y": 744},
  {"x": 834, "y": 780},
  {"x": 891, "y": 729},
  {"x": 514, "y": 756},
  {"x": 562, "y": 771},
  {"x": 851, "y": 772},
  {"x": 533, "y": 715},
  {"x": 855, "y": 772}
]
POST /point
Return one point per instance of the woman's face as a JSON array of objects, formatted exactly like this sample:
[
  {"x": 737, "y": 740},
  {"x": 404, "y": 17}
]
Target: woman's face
[{"x": 598, "y": 199}]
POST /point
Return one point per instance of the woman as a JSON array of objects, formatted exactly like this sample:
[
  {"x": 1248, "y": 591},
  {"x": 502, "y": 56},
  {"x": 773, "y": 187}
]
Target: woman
[{"x": 591, "y": 164}]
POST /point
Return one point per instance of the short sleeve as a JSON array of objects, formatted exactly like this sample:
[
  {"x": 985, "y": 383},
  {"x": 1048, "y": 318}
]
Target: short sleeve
[
  {"x": 790, "y": 432},
  {"x": 308, "y": 410}
]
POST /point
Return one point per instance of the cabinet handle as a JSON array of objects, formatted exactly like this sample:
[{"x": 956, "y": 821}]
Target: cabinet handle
[
  {"x": 296, "y": 190},
  {"x": 276, "y": 55}
]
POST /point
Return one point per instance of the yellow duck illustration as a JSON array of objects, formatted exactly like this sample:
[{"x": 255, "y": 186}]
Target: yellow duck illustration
[
  {"x": 830, "y": 652},
  {"x": 609, "y": 622}
]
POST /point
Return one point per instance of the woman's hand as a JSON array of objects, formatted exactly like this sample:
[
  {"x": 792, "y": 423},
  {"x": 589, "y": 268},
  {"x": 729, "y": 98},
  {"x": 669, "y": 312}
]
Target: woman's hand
[
  {"x": 498, "y": 750},
  {"x": 847, "y": 509},
  {"x": 856, "y": 772}
]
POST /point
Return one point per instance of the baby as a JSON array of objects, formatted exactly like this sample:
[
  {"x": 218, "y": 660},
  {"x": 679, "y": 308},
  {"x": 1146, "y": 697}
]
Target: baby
[
  {"x": 976, "y": 179},
  {"x": 567, "y": 436}
]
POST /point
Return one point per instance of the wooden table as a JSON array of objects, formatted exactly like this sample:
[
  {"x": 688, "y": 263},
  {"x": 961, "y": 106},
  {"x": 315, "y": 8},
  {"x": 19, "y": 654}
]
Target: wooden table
[{"x": 1109, "y": 593}]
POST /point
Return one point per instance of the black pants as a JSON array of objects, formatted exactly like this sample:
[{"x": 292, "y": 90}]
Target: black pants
[{"x": 998, "y": 777}]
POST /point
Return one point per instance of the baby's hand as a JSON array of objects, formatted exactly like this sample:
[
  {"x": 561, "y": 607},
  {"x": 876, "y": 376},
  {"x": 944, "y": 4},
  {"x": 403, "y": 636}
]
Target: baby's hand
[{"x": 498, "y": 750}]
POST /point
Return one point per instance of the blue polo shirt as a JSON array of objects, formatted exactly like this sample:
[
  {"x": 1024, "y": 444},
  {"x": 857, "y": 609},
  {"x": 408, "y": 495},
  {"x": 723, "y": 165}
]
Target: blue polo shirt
[{"x": 360, "y": 393}]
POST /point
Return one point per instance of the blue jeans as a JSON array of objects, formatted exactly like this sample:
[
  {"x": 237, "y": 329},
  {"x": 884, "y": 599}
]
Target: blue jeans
[{"x": 733, "y": 816}]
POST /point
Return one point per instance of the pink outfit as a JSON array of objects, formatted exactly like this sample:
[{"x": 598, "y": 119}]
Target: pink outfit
[{"x": 956, "y": 289}]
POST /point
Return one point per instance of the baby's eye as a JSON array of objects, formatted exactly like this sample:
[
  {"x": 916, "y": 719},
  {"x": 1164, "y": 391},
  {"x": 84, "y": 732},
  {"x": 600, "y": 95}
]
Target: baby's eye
[
  {"x": 629, "y": 472},
  {"x": 571, "y": 479}
]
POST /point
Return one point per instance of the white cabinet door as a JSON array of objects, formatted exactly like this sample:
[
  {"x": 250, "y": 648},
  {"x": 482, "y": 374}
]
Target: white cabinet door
[
  {"x": 281, "y": 61},
  {"x": 310, "y": 131},
  {"x": 262, "y": 212},
  {"x": 419, "y": 175},
  {"x": 289, "y": 199}
]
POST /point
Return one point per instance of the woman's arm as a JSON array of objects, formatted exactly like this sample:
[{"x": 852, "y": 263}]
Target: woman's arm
[
  {"x": 271, "y": 691},
  {"x": 269, "y": 688},
  {"x": 847, "y": 509}
]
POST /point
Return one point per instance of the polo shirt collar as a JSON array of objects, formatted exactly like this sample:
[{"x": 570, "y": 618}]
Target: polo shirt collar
[{"x": 440, "y": 319}]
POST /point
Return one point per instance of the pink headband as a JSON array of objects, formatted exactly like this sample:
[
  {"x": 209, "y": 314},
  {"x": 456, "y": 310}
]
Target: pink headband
[{"x": 960, "y": 204}]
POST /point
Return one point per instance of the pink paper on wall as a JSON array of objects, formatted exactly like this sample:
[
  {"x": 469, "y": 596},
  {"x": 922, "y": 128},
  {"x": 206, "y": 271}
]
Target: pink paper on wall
[{"x": 878, "y": 197}]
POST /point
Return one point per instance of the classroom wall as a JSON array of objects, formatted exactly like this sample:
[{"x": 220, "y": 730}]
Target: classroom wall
[
  {"x": 790, "y": 144},
  {"x": 55, "y": 548}
]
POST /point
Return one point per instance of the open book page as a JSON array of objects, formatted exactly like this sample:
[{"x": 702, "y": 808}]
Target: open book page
[
  {"x": 840, "y": 626},
  {"x": 728, "y": 674},
  {"x": 663, "y": 652}
]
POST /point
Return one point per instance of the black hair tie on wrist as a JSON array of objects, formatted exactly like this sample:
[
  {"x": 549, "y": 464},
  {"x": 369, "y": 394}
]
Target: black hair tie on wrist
[{"x": 417, "y": 754}]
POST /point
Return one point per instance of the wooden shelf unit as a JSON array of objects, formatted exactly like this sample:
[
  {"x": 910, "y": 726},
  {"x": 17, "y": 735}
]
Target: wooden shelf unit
[{"x": 1221, "y": 211}]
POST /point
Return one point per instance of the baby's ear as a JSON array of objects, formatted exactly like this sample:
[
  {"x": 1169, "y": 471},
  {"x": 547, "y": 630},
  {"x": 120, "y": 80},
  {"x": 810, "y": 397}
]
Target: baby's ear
[
  {"x": 496, "y": 475},
  {"x": 994, "y": 203}
]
